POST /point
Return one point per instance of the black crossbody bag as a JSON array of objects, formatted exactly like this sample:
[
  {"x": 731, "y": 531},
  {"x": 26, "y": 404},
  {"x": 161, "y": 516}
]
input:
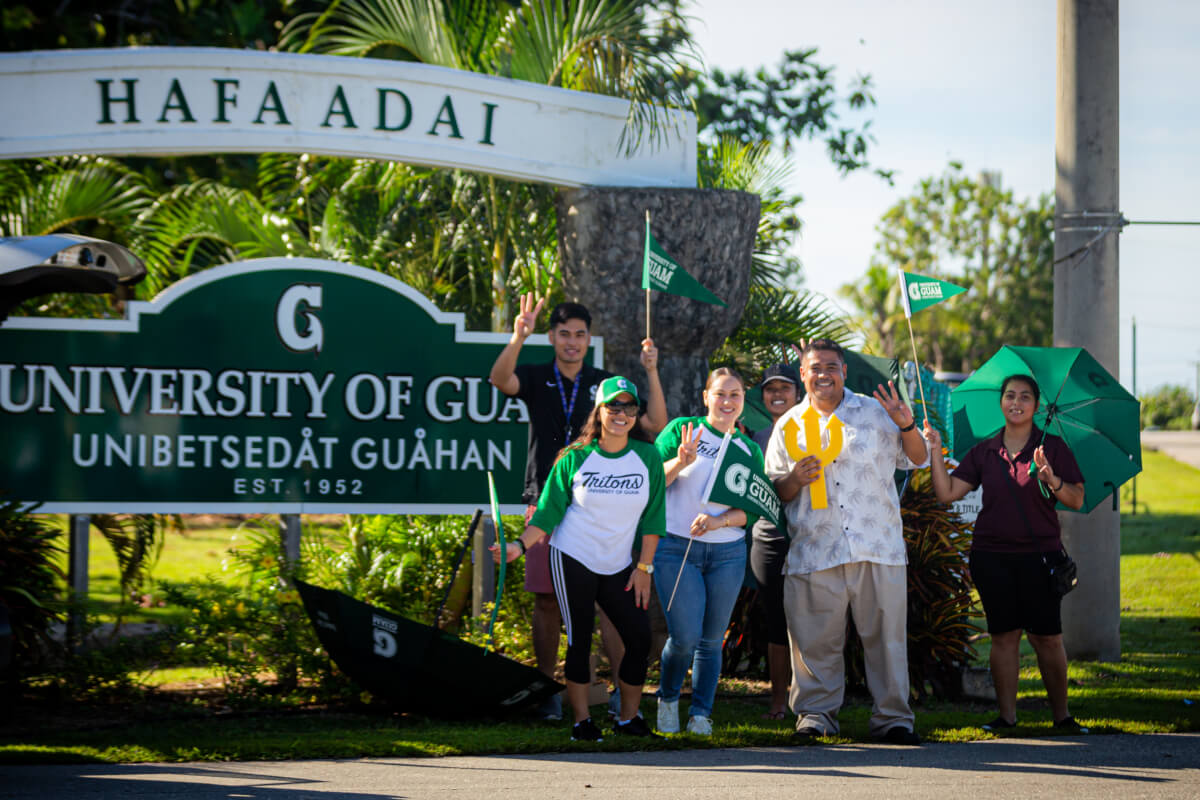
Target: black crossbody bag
[{"x": 1063, "y": 573}]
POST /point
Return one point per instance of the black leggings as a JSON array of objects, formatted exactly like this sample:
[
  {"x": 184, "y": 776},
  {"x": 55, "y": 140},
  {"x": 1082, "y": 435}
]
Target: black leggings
[{"x": 579, "y": 591}]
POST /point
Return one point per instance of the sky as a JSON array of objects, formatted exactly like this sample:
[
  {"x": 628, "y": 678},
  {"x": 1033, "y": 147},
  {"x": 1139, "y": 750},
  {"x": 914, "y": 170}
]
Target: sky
[{"x": 974, "y": 81}]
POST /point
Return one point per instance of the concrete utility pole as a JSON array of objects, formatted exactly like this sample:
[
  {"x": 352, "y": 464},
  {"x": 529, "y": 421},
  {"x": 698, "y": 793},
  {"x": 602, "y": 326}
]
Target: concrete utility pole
[{"x": 1086, "y": 226}]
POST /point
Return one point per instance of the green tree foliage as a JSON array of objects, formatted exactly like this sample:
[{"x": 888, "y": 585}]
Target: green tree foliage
[
  {"x": 1168, "y": 407},
  {"x": 128, "y": 23},
  {"x": 973, "y": 233}
]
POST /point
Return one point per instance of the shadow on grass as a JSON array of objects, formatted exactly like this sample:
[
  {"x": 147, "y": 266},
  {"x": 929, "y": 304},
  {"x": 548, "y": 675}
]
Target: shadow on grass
[{"x": 1146, "y": 534}]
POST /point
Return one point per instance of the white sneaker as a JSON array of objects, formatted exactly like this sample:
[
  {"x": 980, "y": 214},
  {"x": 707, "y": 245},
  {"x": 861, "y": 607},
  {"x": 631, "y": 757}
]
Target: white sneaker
[
  {"x": 668, "y": 716},
  {"x": 701, "y": 726}
]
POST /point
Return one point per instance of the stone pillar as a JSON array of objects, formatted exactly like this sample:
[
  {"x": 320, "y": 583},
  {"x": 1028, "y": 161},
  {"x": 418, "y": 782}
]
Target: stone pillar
[
  {"x": 601, "y": 238},
  {"x": 1086, "y": 227}
]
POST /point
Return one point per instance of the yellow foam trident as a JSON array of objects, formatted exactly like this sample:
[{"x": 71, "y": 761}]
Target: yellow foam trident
[{"x": 812, "y": 447}]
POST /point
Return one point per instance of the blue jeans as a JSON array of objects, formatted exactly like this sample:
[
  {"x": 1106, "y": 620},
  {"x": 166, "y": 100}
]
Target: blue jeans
[{"x": 699, "y": 615}]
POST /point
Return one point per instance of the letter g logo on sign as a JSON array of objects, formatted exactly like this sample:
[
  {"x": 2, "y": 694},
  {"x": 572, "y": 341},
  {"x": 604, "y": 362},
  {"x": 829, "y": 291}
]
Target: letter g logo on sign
[
  {"x": 291, "y": 302},
  {"x": 914, "y": 291},
  {"x": 736, "y": 478}
]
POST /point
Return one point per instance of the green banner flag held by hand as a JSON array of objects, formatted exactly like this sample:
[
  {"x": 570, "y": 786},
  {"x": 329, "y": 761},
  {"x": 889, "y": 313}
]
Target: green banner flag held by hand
[
  {"x": 660, "y": 271},
  {"x": 919, "y": 292},
  {"x": 739, "y": 481}
]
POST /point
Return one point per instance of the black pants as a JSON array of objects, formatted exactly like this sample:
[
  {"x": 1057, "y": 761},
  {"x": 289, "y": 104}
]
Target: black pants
[
  {"x": 579, "y": 591},
  {"x": 766, "y": 562}
]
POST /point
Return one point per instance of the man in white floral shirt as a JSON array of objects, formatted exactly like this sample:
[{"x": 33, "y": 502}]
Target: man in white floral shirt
[{"x": 849, "y": 556}]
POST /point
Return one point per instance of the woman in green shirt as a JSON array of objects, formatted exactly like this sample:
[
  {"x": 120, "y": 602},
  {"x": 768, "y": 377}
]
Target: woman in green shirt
[
  {"x": 605, "y": 490},
  {"x": 702, "y": 561}
]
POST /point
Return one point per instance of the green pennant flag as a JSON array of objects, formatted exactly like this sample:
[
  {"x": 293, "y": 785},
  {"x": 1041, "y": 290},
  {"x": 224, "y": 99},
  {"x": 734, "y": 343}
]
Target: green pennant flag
[
  {"x": 920, "y": 292},
  {"x": 739, "y": 481},
  {"x": 660, "y": 271}
]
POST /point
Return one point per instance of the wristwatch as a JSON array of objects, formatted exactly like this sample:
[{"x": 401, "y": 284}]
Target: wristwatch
[{"x": 646, "y": 568}]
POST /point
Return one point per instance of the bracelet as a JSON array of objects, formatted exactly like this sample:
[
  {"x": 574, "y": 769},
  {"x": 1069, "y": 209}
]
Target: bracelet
[
  {"x": 521, "y": 542},
  {"x": 909, "y": 426},
  {"x": 1061, "y": 481}
]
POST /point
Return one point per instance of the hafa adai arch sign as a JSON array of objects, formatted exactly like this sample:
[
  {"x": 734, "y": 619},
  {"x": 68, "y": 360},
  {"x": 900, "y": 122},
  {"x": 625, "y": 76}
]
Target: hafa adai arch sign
[
  {"x": 275, "y": 385},
  {"x": 185, "y": 100}
]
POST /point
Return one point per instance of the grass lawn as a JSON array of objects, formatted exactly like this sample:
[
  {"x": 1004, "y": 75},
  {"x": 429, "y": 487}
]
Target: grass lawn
[
  {"x": 200, "y": 550},
  {"x": 1154, "y": 688}
]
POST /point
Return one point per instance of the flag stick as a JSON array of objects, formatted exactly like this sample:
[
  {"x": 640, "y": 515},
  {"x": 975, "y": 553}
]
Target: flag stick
[
  {"x": 647, "y": 313},
  {"x": 680, "y": 575},
  {"x": 917, "y": 364},
  {"x": 647, "y": 287},
  {"x": 916, "y": 361},
  {"x": 499, "y": 526}
]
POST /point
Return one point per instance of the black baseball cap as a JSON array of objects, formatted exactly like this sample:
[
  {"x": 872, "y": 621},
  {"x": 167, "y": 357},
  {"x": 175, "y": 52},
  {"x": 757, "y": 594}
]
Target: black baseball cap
[{"x": 781, "y": 372}]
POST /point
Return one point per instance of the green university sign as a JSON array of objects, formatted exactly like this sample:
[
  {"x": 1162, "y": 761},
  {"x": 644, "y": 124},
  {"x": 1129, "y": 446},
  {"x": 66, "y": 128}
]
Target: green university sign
[{"x": 275, "y": 385}]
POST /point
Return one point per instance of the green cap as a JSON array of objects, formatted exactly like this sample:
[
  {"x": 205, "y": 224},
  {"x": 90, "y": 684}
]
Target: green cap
[{"x": 611, "y": 387}]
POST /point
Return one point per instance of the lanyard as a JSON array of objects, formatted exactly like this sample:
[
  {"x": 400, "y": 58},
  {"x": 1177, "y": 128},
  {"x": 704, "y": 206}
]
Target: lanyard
[{"x": 568, "y": 408}]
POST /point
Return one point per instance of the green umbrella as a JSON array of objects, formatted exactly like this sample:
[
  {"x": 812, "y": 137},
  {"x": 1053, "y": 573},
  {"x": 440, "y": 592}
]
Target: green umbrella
[{"x": 1080, "y": 402}]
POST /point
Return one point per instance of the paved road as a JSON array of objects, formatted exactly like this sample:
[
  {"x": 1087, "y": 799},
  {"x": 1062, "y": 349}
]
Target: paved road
[
  {"x": 1158, "y": 766},
  {"x": 1180, "y": 445}
]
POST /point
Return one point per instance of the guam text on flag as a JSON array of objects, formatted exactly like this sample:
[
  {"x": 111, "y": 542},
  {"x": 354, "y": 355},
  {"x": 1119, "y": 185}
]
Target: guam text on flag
[
  {"x": 919, "y": 292},
  {"x": 660, "y": 271},
  {"x": 738, "y": 480}
]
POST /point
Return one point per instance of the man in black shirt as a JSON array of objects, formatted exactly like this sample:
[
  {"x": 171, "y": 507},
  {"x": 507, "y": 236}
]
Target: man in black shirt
[{"x": 560, "y": 395}]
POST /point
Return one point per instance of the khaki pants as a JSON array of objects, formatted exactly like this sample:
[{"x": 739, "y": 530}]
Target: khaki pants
[{"x": 816, "y": 605}]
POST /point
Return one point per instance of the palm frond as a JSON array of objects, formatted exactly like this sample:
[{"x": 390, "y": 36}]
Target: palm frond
[
  {"x": 56, "y": 195},
  {"x": 774, "y": 319},
  {"x": 205, "y": 223},
  {"x": 361, "y": 27}
]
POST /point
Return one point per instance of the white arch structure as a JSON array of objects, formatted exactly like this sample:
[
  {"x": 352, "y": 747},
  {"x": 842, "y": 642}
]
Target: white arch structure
[{"x": 159, "y": 101}]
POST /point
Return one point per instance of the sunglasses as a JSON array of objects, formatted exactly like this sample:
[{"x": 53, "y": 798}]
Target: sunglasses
[{"x": 628, "y": 409}]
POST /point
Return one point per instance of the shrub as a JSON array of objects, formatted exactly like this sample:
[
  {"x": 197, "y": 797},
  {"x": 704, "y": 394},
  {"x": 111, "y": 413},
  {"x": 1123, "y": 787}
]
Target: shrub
[
  {"x": 256, "y": 632},
  {"x": 32, "y": 585},
  {"x": 939, "y": 596},
  {"x": 1168, "y": 407}
]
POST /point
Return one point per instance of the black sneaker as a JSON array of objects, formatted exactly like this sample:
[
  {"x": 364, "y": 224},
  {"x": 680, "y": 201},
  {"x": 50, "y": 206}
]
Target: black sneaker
[
  {"x": 999, "y": 724},
  {"x": 806, "y": 735},
  {"x": 1069, "y": 725},
  {"x": 635, "y": 727},
  {"x": 900, "y": 735},
  {"x": 586, "y": 731}
]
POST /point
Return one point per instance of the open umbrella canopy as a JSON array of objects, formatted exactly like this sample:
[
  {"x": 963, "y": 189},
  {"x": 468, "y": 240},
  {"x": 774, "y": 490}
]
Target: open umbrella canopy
[
  {"x": 1080, "y": 402},
  {"x": 417, "y": 667}
]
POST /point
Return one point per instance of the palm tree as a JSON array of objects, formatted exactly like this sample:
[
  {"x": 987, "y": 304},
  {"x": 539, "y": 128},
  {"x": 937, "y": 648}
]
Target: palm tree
[
  {"x": 775, "y": 316},
  {"x": 598, "y": 46}
]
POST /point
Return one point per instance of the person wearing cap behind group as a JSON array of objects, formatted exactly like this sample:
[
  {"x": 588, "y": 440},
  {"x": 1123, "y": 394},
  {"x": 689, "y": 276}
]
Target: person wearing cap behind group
[
  {"x": 769, "y": 546},
  {"x": 605, "y": 490},
  {"x": 559, "y": 395}
]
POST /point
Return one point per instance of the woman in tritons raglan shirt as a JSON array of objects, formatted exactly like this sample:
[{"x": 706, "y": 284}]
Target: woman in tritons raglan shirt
[
  {"x": 606, "y": 489},
  {"x": 709, "y": 580}
]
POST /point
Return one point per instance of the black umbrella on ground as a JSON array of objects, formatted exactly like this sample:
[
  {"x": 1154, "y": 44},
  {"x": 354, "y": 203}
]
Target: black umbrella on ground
[{"x": 417, "y": 667}]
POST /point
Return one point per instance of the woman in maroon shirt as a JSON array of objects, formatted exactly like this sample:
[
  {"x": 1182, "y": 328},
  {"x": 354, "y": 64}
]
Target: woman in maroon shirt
[{"x": 1017, "y": 525}]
